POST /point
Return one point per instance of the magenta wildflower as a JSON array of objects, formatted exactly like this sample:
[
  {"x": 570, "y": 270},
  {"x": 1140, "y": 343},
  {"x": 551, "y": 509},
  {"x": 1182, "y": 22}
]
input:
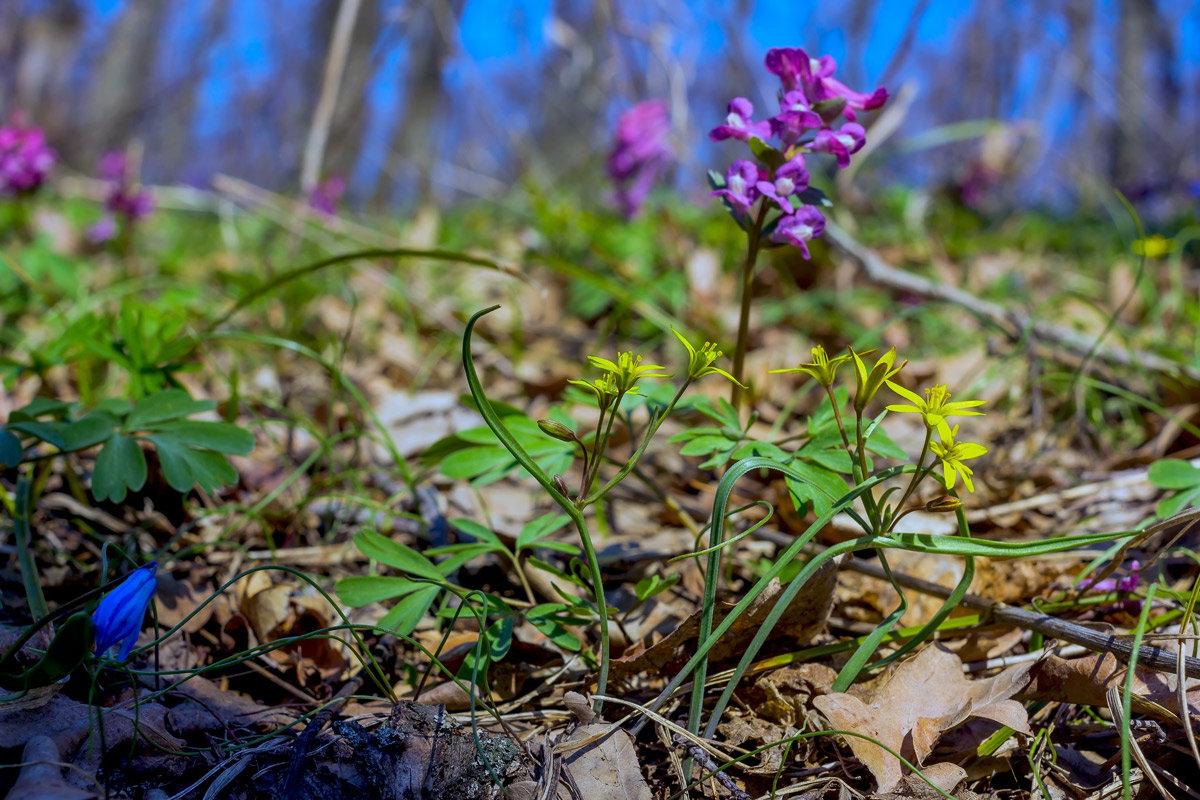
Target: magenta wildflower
[
  {"x": 25, "y": 158},
  {"x": 814, "y": 76},
  {"x": 794, "y": 118},
  {"x": 789, "y": 179},
  {"x": 640, "y": 154},
  {"x": 1127, "y": 584},
  {"x": 123, "y": 197},
  {"x": 119, "y": 616},
  {"x": 739, "y": 123},
  {"x": 325, "y": 196},
  {"x": 799, "y": 228},
  {"x": 741, "y": 185},
  {"x": 841, "y": 143}
]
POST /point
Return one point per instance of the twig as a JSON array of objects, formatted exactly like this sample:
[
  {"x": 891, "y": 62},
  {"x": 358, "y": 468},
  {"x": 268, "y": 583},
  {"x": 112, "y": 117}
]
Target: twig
[
  {"x": 1011, "y": 321},
  {"x": 702, "y": 758},
  {"x": 335, "y": 64},
  {"x": 1150, "y": 657}
]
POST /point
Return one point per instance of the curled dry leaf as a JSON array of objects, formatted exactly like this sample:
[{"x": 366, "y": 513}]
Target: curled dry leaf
[{"x": 925, "y": 697}]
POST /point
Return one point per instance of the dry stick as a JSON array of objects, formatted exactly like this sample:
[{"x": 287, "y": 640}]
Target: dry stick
[
  {"x": 1011, "y": 321},
  {"x": 1150, "y": 657},
  {"x": 335, "y": 65},
  {"x": 705, "y": 761}
]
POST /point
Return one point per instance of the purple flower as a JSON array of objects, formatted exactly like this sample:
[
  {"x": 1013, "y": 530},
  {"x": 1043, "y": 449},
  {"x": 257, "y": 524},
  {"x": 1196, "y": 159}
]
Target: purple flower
[
  {"x": 814, "y": 76},
  {"x": 1127, "y": 584},
  {"x": 325, "y": 195},
  {"x": 122, "y": 197},
  {"x": 741, "y": 185},
  {"x": 25, "y": 159},
  {"x": 641, "y": 153},
  {"x": 119, "y": 616},
  {"x": 800, "y": 228},
  {"x": 789, "y": 179},
  {"x": 738, "y": 123},
  {"x": 795, "y": 117},
  {"x": 841, "y": 143}
]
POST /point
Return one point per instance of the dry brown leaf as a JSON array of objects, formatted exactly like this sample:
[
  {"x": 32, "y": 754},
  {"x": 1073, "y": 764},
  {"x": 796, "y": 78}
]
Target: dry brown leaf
[
  {"x": 605, "y": 769},
  {"x": 925, "y": 697}
]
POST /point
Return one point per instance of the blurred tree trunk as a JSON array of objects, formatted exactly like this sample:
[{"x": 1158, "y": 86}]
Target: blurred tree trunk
[
  {"x": 1126, "y": 150},
  {"x": 174, "y": 134},
  {"x": 42, "y": 49},
  {"x": 118, "y": 91},
  {"x": 350, "y": 114},
  {"x": 414, "y": 145}
]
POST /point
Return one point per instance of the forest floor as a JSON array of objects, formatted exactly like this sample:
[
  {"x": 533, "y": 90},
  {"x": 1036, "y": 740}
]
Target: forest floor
[{"x": 379, "y": 602}]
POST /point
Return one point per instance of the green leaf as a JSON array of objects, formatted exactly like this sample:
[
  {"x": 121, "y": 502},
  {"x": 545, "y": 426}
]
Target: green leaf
[
  {"x": 71, "y": 645},
  {"x": 881, "y": 444},
  {"x": 765, "y": 153},
  {"x": 162, "y": 406},
  {"x": 49, "y": 432},
  {"x": 819, "y": 486},
  {"x": 1173, "y": 505},
  {"x": 406, "y": 615},
  {"x": 716, "y": 180},
  {"x": 765, "y": 449},
  {"x": 1173, "y": 473},
  {"x": 362, "y": 590},
  {"x": 547, "y": 619},
  {"x": 120, "y": 465},
  {"x": 478, "y": 531},
  {"x": 703, "y": 445},
  {"x": 476, "y": 461},
  {"x": 219, "y": 436},
  {"x": 90, "y": 429},
  {"x": 651, "y": 585},
  {"x": 500, "y": 637},
  {"x": 540, "y": 528},
  {"x": 11, "y": 452},
  {"x": 396, "y": 555},
  {"x": 40, "y": 407}
]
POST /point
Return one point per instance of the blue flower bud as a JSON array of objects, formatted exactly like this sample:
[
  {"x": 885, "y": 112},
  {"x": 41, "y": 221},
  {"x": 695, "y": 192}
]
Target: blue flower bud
[{"x": 119, "y": 616}]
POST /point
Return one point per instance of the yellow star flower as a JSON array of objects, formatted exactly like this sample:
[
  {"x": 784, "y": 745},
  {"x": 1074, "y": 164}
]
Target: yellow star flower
[
  {"x": 822, "y": 367},
  {"x": 622, "y": 376},
  {"x": 700, "y": 361},
  {"x": 935, "y": 406},
  {"x": 952, "y": 454},
  {"x": 869, "y": 381}
]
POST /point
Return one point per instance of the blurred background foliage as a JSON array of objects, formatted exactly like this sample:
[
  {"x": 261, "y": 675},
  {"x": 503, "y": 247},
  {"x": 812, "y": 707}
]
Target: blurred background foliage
[{"x": 1000, "y": 104}]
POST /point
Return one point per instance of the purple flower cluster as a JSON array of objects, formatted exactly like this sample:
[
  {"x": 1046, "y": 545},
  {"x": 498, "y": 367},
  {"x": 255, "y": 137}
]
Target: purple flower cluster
[
  {"x": 25, "y": 158},
  {"x": 640, "y": 154},
  {"x": 123, "y": 197},
  {"x": 811, "y": 101}
]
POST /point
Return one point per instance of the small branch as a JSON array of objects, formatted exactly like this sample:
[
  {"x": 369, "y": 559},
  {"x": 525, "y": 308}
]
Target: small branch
[
  {"x": 1150, "y": 657},
  {"x": 702, "y": 758},
  {"x": 1014, "y": 323},
  {"x": 335, "y": 64}
]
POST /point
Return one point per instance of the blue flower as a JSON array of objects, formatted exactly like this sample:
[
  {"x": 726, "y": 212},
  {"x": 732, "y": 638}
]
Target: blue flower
[{"x": 119, "y": 616}]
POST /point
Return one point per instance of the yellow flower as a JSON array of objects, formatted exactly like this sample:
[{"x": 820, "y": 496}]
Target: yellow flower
[
  {"x": 952, "y": 454},
  {"x": 622, "y": 376},
  {"x": 700, "y": 361},
  {"x": 935, "y": 406},
  {"x": 1153, "y": 246},
  {"x": 822, "y": 367},
  {"x": 869, "y": 381}
]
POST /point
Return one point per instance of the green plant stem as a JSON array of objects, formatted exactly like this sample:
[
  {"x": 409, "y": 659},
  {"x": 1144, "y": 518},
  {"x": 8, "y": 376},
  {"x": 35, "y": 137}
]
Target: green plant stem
[
  {"x": 601, "y": 447},
  {"x": 565, "y": 503},
  {"x": 916, "y": 477},
  {"x": 29, "y": 574},
  {"x": 837, "y": 416},
  {"x": 860, "y": 455},
  {"x": 753, "y": 237},
  {"x": 655, "y": 423}
]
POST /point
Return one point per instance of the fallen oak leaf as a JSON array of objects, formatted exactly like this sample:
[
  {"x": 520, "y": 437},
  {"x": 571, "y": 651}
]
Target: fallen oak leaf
[{"x": 923, "y": 698}]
